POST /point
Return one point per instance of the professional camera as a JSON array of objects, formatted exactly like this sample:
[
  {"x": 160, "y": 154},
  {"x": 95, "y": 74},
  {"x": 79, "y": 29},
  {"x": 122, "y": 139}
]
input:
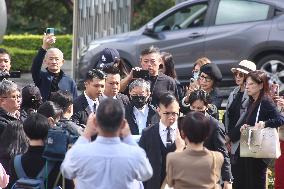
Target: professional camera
[{"x": 13, "y": 74}]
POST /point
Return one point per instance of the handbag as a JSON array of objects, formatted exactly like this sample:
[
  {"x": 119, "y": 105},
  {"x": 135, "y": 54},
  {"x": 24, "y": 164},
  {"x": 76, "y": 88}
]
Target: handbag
[
  {"x": 281, "y": 133},
  {"x": 260, "y": 143}
]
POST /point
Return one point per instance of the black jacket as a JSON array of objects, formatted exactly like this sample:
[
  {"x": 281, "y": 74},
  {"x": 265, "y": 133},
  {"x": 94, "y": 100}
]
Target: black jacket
[
  {"x": 5, "y": 119},
  {"x": 162, "y": 85},
  {"x": 82, "y": 111},
  {"x": 268, "y": 113},
  {"x": 216, "y": 142},
  {"x": 43, "y": 79},
  {"x": 150, "y": 142},
  {"x": 33, "y": 162},
  {"x": 152, "y": 118}
]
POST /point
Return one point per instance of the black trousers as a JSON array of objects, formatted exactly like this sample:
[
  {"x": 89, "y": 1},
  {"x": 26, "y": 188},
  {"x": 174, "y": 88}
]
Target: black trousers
[{"x": 249, "y": 173}]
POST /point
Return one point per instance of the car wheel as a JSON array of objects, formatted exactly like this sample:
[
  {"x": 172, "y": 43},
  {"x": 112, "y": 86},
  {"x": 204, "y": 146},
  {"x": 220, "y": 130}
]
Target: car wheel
[{"x": 273, "y": 65}]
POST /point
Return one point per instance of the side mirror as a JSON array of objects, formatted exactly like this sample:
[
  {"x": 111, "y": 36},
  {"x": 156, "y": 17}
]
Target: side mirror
[{"x": 150, "y": 27}]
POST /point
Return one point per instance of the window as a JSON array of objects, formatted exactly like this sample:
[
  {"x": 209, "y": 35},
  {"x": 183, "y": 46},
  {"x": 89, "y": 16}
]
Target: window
[
  {"x": 237, "y": 11},
  {"x": 187, "y": 17}
]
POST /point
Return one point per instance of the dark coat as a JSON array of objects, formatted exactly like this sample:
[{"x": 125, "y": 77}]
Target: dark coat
[
  {"x": 216, "y": 142},
  {"x": 82, "y": 111},
  {"x": 150, "y": 142},
  {"x": 5, "y": 119},
  {"x": 43, "y": 79},
  {"x": 33, "y": 162},
  {"x": 162, "y": 85},
  {"x": 152, "y": 118}
]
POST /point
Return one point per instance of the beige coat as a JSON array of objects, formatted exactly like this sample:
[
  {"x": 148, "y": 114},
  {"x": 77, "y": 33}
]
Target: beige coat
[{"x": 194, "y": 169}]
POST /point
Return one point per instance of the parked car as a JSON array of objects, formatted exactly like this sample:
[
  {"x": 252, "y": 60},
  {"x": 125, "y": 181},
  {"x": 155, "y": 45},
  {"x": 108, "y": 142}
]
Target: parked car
[{"x": 225, "y": 31}]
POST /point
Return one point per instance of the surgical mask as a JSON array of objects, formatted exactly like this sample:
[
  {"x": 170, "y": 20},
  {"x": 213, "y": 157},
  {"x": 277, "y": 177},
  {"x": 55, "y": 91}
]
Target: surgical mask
[
  {"x": 139, "y": 101},
  {"x": 196, "y": 75}
]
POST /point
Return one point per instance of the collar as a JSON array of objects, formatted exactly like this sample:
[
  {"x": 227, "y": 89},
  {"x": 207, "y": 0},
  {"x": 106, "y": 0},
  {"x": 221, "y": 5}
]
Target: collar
[
  {"x": 144, "y": 110},
  {"x": 90, "y": 101},
  {"x": 105, "y": 97},
  {"x": 108, "y": 140},
  {"x": 163, "y": 128},
  {"x": 60, "y": 73}
]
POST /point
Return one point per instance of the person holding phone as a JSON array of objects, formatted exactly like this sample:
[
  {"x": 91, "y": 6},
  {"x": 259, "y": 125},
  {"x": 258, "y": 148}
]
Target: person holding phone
[
  {"x": 53, "y": 78},
  {"x": 150, "y": 60}
]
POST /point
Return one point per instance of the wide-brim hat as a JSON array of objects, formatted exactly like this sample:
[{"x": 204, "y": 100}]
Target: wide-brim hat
[
  {"x": 212, "y": 70},
  {"x": 245, "y": 66}
]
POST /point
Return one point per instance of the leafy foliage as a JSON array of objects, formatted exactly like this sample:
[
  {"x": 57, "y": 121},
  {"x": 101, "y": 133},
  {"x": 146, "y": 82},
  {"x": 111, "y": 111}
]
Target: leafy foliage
[
  {"x": 23, "y": 48},
  {"x": 145, "y": 10}
]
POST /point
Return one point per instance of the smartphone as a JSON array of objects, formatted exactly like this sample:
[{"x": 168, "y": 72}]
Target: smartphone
[
  {"x": 274, "y": 89},
  {"x": 49, "y": 31},
  {"x": 15, "y": 74},
  {"x": 144, "y": 74}
]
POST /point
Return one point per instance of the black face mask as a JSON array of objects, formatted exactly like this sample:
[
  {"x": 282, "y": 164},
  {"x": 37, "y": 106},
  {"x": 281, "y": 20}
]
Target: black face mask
[{"x": 138, "y": 101}]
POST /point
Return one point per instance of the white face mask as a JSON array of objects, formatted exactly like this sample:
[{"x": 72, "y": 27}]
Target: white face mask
[{"x": 195, "y": 75}]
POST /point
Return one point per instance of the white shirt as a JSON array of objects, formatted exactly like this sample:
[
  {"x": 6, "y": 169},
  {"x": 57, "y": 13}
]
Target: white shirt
[
  {"x": 106, "y": 163},
  {"x": 105, "y": 97},
  {"x": 163, "y": 132},
  {"x": 141, "y": 117},
  {"x": 91, "y": 102}
]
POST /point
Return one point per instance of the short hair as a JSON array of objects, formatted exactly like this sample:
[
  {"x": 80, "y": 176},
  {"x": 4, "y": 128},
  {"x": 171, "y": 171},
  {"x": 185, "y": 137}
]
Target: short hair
[
  {"x": 202, "y": 61},
  {"x": 199, "y": 95},
  {"x": 166, "y": 99},
  {"x": 54, "y": 49},
  {"x": 36, "y": 126},
  {"x": 196, "y": 127},
  {"x": 4, "y": 51},
  {"x": 109, "y": 115},
  {"x": 50, "y": 109},
  {"x": 111, "y": 70},
  {"x": 150, "y": 50},
  {"x": 63, "y": 98},
  {"x": 140, "y": 83},
  {"x": 7, "y": 87},
  {"x": 95, "y": 73}
]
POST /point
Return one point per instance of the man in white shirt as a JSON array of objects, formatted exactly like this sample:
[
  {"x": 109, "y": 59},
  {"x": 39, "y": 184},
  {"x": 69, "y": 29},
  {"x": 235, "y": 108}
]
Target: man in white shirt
[
  {"x": 139, "y": 113},
  {"x": 159, "y": 139},
  {"x": 109, "y": 161},
  {"x": 88, "y": 101}
]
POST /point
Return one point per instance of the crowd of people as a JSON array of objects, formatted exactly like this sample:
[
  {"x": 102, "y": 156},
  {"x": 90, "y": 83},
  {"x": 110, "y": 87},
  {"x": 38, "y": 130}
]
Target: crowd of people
[{"x": 138, "y": 128}]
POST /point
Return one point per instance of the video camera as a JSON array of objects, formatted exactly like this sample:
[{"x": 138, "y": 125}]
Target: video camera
[{"x": 13, "y": 74}]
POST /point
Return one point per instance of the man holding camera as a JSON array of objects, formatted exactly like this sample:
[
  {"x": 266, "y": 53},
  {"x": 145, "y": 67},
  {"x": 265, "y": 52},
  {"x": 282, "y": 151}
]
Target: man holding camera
[
  {"x": 53, "y": 79},
  {"x": 160, "y": 83}
]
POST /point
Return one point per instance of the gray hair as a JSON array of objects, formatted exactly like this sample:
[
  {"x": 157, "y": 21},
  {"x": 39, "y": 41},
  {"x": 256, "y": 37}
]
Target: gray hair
[
  {"x": 54, "y": 49},
  {"x": 140, "y": 83},
  {"x": 7, "y": 87}
]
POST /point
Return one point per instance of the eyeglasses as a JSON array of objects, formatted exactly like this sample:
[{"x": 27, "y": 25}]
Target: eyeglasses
[
  {"x": 207, "y": 79},
  {"x": 239, "y": 74},
  {"x": 171, "y": 113}
]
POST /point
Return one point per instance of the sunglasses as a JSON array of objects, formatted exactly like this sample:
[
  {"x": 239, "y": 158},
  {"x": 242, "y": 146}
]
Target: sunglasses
[
  {"x": 207, "y": 79},
  {"x": 239, "y": 74}
]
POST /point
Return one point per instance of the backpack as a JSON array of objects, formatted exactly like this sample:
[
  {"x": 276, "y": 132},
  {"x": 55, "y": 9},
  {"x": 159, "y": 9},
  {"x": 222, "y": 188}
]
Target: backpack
[{"x": 24, "y": 182}]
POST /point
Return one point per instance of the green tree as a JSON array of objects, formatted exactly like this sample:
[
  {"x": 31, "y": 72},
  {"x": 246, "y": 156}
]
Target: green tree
[
  {"x": 33, "y": 16},
  {"x": 145, "y": 10}
]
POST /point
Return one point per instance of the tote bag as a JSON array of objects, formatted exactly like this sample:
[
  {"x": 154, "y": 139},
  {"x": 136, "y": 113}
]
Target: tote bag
[{"x": 260, "y": 143}]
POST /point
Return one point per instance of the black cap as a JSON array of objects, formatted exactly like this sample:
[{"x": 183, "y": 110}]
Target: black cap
[
  {"x": 108, "y": 56},
  {"x": 212, "y": 70}
]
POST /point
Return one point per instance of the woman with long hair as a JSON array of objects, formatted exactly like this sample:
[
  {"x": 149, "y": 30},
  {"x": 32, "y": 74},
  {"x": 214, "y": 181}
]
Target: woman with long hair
[{"x": 261, "y": 113}]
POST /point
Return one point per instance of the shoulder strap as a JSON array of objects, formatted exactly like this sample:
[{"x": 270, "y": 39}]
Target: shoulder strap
[
  {"x": 45, "y": 170},
  {"x": 18, "y": 167},
  {"x": 256, "y": 119}
]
